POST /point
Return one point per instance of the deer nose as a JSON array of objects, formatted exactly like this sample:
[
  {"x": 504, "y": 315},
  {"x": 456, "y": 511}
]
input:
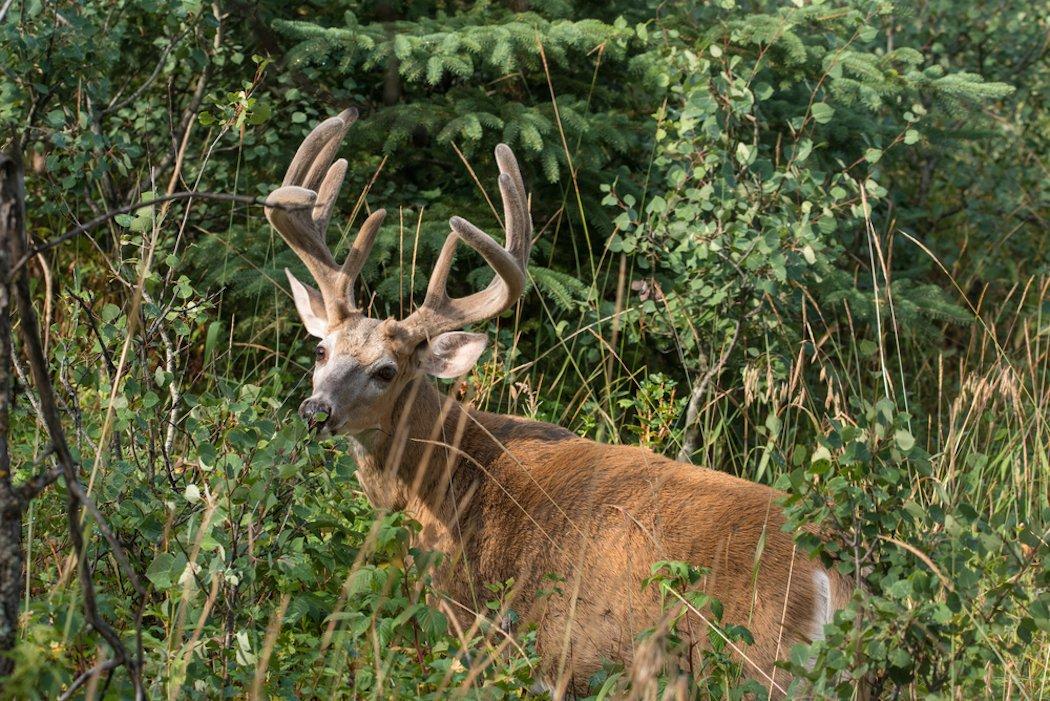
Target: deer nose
[{"x": 310, "y": 408}]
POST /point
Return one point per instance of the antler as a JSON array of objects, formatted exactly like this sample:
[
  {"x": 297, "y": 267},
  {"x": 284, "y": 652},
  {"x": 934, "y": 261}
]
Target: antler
[
  {"x": 439, "y": 312},
  {"x": 301, "y": 208}
]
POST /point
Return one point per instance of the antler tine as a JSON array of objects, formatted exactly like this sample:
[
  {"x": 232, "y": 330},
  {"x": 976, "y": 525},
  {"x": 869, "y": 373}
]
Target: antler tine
[
  {"x": 317, "y": 150},
  {"x": 302, "y": 208},
  {"x": 439, "y": 312},
  {"x": 518, "y": 221},
  {"x": 355, "y": 259}
]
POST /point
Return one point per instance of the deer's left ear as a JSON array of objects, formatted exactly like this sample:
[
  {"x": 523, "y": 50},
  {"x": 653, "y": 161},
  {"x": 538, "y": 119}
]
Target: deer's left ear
[
  {"x": 310, "y": 305},
  {"x": 453, "y": 354}
]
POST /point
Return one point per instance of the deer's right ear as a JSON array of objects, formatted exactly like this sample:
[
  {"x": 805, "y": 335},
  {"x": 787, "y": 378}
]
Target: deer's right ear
[
  {"x": 310, "y": 305},
  {"x": 453, "y": 354}
]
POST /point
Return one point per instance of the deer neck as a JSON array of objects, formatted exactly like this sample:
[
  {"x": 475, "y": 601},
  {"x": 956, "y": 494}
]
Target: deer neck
[{"x": 416, "y": 463}]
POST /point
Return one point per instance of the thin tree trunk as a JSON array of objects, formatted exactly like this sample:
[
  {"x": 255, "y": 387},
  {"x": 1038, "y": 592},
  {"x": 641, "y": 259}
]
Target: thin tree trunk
[
  {"x": 387, "y": 13},
  {"x": 14, "y": 498},
  {"x": 11, "y": 553},
  {"x": 691, "y": 438}
]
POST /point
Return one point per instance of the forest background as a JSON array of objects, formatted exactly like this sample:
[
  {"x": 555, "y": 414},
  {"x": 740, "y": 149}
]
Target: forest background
[{"x": 801, "y": 242}]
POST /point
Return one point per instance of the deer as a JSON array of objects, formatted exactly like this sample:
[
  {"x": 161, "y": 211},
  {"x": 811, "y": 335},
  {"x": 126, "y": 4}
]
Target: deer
[{"x": 510, "y": 498}]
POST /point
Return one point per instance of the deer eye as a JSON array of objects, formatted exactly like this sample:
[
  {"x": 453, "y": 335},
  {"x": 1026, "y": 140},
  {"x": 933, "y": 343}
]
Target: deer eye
[
  {"x": 385, "y": 373},
  {"x": 320, "y": 354}
]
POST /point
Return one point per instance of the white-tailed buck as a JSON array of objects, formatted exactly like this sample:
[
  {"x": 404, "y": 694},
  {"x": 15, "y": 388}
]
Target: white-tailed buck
[{"x": 509, "y": 498}]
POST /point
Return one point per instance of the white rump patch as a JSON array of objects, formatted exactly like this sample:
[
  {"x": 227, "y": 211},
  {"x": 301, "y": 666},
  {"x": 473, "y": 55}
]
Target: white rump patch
[{"x": 822, "y": 614}]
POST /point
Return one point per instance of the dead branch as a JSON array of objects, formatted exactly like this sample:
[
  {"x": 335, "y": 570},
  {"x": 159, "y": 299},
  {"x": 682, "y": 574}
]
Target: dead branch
[
  {"x": 103, "y": 218},
  {"x": 19, "y": 288},
  {"x": 692, "y": 427}
]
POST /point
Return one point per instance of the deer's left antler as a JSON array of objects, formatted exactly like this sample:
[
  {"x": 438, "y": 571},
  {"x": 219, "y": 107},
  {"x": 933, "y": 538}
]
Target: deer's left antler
[{"x": 302, "y": 207}]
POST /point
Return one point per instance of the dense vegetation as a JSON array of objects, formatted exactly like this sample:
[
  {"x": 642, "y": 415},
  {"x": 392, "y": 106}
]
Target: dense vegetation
[{"x": 801, "y": 242}]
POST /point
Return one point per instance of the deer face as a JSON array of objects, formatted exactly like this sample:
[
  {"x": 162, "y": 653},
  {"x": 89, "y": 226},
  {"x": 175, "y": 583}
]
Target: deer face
[{"x": 363, "y": 364}]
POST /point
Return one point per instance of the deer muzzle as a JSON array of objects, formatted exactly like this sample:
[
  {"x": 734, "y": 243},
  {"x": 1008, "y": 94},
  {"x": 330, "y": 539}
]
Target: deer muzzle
[{"x": 315, "y": 412}]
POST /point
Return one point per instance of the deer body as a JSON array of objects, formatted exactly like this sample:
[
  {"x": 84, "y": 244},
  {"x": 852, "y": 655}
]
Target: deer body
[
  {"x": 576, "y": 524},
  {"x": 509, "y": 498}
]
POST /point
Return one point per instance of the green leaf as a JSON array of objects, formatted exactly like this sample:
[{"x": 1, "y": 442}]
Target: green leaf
[
  {"x": 109, "y": 313},
  {"x": 211, "y": 339},
  {"x": 821, "y": 453},
  {"x": 260, "y": 114},
  {"x": 900, "y": 658},
  {"x": 432, "y": 622},
  {"x": 161, "y": 570},
  {"x": 822, "y": 112},
  {"x": 743, "y": 153},
  {"x": 803, "y": 149}
]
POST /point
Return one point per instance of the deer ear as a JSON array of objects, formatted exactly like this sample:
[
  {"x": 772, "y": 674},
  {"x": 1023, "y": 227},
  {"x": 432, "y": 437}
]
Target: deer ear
[
  {"x": 453, "y": 354},
  {"x": 310, "y": 305}
]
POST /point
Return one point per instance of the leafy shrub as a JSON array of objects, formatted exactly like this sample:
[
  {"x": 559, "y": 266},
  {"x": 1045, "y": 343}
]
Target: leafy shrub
[{"x": 950, "y": 591}]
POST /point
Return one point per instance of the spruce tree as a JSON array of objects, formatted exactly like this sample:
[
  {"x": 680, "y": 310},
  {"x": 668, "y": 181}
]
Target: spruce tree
[{"x": 438, "y": 82}]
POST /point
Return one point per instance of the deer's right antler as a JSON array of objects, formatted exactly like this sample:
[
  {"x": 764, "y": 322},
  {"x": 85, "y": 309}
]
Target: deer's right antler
[
  {"x": 439, "y": 312},
  {"x": 302, "y": 207}
]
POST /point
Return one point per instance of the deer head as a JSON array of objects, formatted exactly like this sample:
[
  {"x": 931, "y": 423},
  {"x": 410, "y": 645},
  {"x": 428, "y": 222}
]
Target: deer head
[{"x": 363, "y": 364}]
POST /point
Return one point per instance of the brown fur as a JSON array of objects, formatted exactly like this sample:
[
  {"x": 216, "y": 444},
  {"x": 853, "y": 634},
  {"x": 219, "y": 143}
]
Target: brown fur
[{"x": 506, "y": 497}]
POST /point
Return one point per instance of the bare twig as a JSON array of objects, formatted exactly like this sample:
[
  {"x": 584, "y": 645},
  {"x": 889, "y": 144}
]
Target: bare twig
[
  {"x": 12, "y": 555},
  {"x": 115, "y": 106},
  {"x": 3, "y": 10},
  {"x": 50, "y": 415},
  {"x": 29, "y": 489},
  {"x": 23, "y": 380},
  {"x": 110, "y": 367},
  {"x": 180, "y": 137},
  {"x": 103, "y": 218},
  {"x": 692, "y": 428},
  {"x": 87, "y": 675},
  {"x": 173, "y": 392},
  {"x": 107, "y": 533}
]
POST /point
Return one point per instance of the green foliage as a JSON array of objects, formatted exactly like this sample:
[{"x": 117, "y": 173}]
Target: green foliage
[
  {"x": 442, "y": 68},
  {"x": 761, "y": 186},
  {"x": 950, "y": 589},
  {"x": 434, "y": 82},
  {"x": 816, "y": 228},
  {"x": 564, "y": 290},
  {"x": 976, "y": 177}
]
